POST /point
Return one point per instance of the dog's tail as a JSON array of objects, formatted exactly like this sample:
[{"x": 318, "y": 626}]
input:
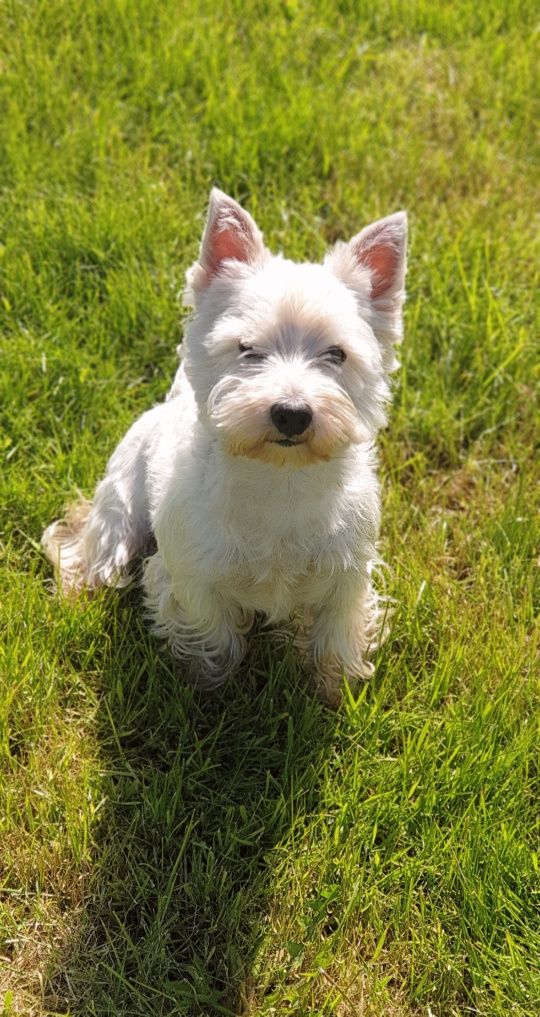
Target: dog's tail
[{"x": 62, "y": 542}]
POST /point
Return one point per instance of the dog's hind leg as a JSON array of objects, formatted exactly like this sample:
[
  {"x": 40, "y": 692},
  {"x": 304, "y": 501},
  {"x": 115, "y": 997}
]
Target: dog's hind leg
[{"x": 97, "y": 540}]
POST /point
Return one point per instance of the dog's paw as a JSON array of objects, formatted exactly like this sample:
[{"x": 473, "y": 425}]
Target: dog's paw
[{"x": 330, "y": 676}]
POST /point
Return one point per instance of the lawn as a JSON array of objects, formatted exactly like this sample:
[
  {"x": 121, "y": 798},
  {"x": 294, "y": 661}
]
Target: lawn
[{"x": 253, "y": 853}]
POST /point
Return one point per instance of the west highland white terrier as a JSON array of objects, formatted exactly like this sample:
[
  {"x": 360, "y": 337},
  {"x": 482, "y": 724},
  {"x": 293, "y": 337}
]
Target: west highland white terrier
[{"x": 256, "y": 478}]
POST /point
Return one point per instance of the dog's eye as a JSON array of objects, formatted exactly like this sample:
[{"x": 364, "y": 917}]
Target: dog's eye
[
  {"x": 248, "y": 353},
  {"x": 335, "y": 355}
]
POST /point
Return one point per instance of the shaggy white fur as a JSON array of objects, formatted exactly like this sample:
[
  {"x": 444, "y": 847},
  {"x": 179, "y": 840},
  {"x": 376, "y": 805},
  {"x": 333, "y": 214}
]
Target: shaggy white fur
[{"x": 257, "y": 477}]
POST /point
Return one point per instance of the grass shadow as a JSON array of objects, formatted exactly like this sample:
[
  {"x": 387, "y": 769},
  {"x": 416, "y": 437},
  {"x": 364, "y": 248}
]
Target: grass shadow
[{"x": 198, "y": 790}]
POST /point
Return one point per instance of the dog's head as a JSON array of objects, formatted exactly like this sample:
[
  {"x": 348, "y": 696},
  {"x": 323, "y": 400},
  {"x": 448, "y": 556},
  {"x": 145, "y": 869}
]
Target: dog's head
[{"x": 289, "y": 362}]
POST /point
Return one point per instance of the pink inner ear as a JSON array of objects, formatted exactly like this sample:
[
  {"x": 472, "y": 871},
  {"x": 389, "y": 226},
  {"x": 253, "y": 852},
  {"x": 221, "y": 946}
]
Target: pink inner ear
[
  {"x": 383, "y": 260},
  {"x": 227, "y": 241}
]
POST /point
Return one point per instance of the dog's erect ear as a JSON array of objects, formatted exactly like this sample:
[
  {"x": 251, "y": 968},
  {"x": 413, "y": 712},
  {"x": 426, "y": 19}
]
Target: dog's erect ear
[
  {"x": 382, "y": 249},
  {"x": 230, "y": 233},
  {"x": 373, "y": 264},
  {"x": 375, "y": 260}
]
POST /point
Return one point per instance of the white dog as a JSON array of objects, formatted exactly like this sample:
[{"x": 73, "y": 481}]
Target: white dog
[{"x": 256, "y": 478}]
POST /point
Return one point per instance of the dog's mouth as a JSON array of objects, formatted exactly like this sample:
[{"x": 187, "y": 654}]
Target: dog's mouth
[{"x": 286, "y": 442}]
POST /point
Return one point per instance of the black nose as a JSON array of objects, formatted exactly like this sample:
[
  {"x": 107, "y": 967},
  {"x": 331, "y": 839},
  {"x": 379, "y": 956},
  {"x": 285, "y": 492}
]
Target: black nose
[{"x": 290, "y": 421}]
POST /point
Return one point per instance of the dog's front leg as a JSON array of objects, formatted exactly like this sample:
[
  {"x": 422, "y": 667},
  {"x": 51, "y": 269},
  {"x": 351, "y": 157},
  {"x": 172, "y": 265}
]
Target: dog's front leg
[
  {"x": 197, "y": 621},
  {"x": 345, "y": 628}
]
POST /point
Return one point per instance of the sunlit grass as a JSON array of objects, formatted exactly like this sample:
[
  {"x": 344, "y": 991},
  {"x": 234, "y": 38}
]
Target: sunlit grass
[{"x": 168, "y": 854}]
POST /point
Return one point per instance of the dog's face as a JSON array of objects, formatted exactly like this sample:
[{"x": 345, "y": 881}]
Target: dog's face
[{"x": 289, "y": 362}]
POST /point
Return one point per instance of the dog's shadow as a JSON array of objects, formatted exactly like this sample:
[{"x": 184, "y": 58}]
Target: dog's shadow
[{"x": 200, "y": 788}]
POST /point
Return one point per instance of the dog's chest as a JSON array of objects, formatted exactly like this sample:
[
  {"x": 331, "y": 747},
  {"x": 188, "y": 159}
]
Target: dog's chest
[
  {"x": 276, "y": 584},
  {"x": 274, "y": 568},
  {"x": 270, "y": 540}
]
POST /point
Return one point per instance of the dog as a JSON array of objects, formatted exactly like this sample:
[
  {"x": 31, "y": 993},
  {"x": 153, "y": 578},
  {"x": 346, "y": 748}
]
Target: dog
[{"x": 256, "y": 478}]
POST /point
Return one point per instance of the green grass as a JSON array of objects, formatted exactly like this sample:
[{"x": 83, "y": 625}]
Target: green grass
[{"x": 163, "y": 853}]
